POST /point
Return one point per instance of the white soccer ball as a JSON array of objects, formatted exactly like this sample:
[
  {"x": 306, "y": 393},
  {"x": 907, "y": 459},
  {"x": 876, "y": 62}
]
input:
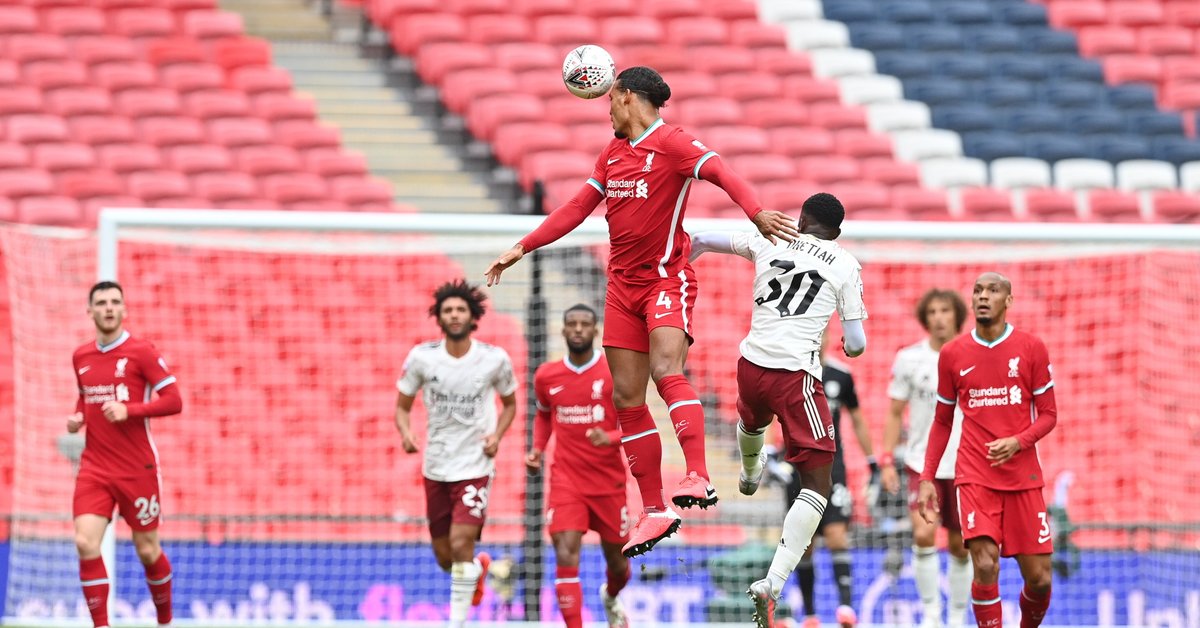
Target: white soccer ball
[{"x": 589, "y": 71}]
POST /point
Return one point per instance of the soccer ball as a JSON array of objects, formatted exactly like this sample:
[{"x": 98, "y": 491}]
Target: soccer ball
[{"x": 589, "y": 71}]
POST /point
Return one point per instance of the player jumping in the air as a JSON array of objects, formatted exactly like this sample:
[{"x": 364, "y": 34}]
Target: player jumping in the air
[
  {"x": 587, "y": 482},
  {"x": 1001, "y": 379},
  {"x": 117, "y": 376},
  {"x": 797, "y": 288},
  {"x": 914, "y": 384},
  {"x": 644, "y": 176},
  {"x": 460, "y": 376}
]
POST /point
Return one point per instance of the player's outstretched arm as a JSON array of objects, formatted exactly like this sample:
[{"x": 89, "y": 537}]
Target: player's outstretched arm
[
  {"x": 771, "y": 224},
  {"x": 508, "y": 410},
  {"x": 404, "y": 405},
  {"x": 711, "y": 242},
  {"x": 559, "y": 223}
]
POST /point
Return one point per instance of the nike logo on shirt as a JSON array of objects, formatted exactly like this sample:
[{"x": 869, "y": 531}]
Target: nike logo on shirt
[
  {"x": 965, "y": 371},
  {"x": 84, "y": 370},
  {"x": 554, "y": 390},
  {"x": 661, "y": 314},
  {"x": 613, "y": 161}
]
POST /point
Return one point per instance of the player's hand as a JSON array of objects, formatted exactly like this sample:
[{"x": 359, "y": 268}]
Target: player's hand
[
  {"x": 410, "y": 445},
  {"x": 1001, "y": 449},
  {"x": 599, "y": 437},
  {"x": 506, "y": 259},
  {"x": 491, "y": 445},
  {"x": 533, "y": 461},
  {"x": 927, "y": 502},
  {"x": 890, "y": 479},
  {"x": 772, "y": 224},
  {"x": 75, "y": 423},
  {"x": 114, "y": 411}
]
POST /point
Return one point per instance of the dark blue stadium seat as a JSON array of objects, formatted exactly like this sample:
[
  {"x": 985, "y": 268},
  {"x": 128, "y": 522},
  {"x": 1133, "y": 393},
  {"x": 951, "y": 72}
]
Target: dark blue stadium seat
[
  {"x": 877, "y": 36},
  {"x": 1033, "y": 119},
  {"x": 963, "y": 118},
  {"x": 851, "y": 11},
  {"x": 1068, "y": 94},
  {"x": 904, "y": 65},
  {"x": 1020, "y": 13},
  {"x": 1055, "y": 146},
  {"x": 958, "y": 66},
  {"x": 988, "y": 145},
  {"x": 964, "y": 12},
  {"x": 1177, "y": 150},
  {"x": 993, "y": 38},
  {"x": 1132, "y": 96},
  {"x": 1004, "y": 93},
  {"x": 1097, "y": 120},
  {"x": 1073, "y": 67},
  {"x": 1019, "y": 66},
  {"x": 1050, "y": 41},
  {"x": 1154, "y": 123},
  {"x": 906, "y": 11},
  {"x": 936, "y": 91},
  {"x": 935, "y": 37},
  {"x": 1117, "y": 148}
]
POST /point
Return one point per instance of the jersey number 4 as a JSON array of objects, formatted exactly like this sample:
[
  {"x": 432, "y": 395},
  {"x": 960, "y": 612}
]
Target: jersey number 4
[{"x": 785, "y": 297}]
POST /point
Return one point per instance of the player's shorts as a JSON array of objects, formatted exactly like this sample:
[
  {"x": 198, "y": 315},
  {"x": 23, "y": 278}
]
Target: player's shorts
[
  {"x": 798, "y": 399},
  {"x": 464, "y": 502},
  {"x": 946, "y": 495},
  {"x": 1015, "y": 520},
  {"x": 841, "y": 501},
  {"x": 138, "y": 498},
  {"x": 636, "y": 306},
  {"x": 571, "y": 511}
]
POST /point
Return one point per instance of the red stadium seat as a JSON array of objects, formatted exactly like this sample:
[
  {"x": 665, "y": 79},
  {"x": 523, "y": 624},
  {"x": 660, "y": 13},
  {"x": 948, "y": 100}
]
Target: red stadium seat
[
  {"x": 827, "y": 169},
  {"x": 519, "y": 57},
  {"x": 809, "y": 89},
  {"x": 91, "y": 184},
  {"x": 101, "y": 130},
  {"x": 239, "y": 132},
  {"x": 1095, "y": 41},
  {"x": 10, "y": 73},
  {"x": 552, "y": 166},
  {"x": 1182, "y": 69},
  {"x": 697, "y": 31},
  {"x": 668, "y": 9},
  {"x": 835, "y": 116},
  {"x": 50, "y": 210},
  {"x": 166, "y": 132},
  {"x": 118, "y": 77},
  {"x": 731, "y": 141},
  {"x": 537, "y": 8},
  {"x": 93, "y": 51},
  {"x": 566, "y": 30},
  {"x": 17, "y": 183},
  {"x": 801, "y": 141},
  {"x": 775, "y": 114},
  {"x": 764, "y": 168},
  {"x": 1136, "y": 13},
  {"x": 512, "y": 141},
  {"x": 217, "y": 104},
  {"x": 182, "y": 7},
  {"x": 1166, "y": 40},
  {"x": 92, "y": 206},
  {"x": 866, "y": 201},
  {"x": 210, "y": 25},
  {"x": 986, "y": 204},
  {"x": 750, "y": 86},
  {"x": 126, "y": 158},
  {"x": 16, "y": 100},
  {"x": 435, "y": 61},
  {"x": 463, "y": 86},
  {"x": 609, "y": 8},
  {"x": 485, "y": 115},
  {"x": 567, "y": 110},
  {"x": 702, "y": 113},
  {"x": 180, "y": 202},
  {"x": 153, "y": 186},
  {"x": 717, "y": 60},
  {"x": 51, "y": 75},
  {"x": 410, "y": 32},
  {"x": 29, "y": 48},
  {"x": 382, "y": 12},
  {"x": 295, "y": 188},
  {"x": 148, "y": 102},
  {"x": 1132, "y": 68},
  {"x": 13, "y": 156},
  {"x": 225, "y": 187},
  {"x": 363, "y": 192},
  {"x": 305, "y": 135},
  {"x": 63, "y": 157},
  {"x": 194, "y": 160},
  {"x": 74, "y": 22},
  {"x": 688, "y": 85},
  {"x": 184, "y": 50},
  {"x": 142, "y": 23},
  {"x": 245, "y": 51},
  {"x": 280, "y": 107},
  {"x": 891, "y": 172},
  {"x": 540, "y": 83},
  {"x": 335, "y": 163},
  {"x": 479, "y": 7},
  {"x": 788, "y": 196},
  {"x": 1071, "y": 15},
  {"x": 15, "y": 20},
  {"x": 193, "y": 77},
  {"x": 1174, "y": 206},
  {"x": 81, "y": 101},
  {"x": 8, "y": 213},
  {"x": 758, "y": 35},
  {"x": 36, "y": 129},
  {"x": 1114, "y": 206},
  {"x": 1182, "y": 14},
  {"x": 921, "y": 203},
  {"x": 1184, "y": 96},
  {"x": 631, "y": 31},
  {"x": 668, "y": 60},
  {"x": 730, "y": 9},
  {"x": 253, "y": 204},
  {"x": 259, "y": 161},
  {"x": 862, "y": 144},
  {"x": 498, "y": 29}
]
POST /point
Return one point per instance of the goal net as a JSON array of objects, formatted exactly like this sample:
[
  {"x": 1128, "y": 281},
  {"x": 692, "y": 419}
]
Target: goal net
[{"x": 287, "y": 498}]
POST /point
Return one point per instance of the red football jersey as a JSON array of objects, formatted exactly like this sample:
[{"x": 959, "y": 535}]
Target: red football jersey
[
  {"x": 128, "y": 370},
  {"x": 995, "y": 385},
  {"x": 645, "y": 182},
  {"x": 572, "y": 400}
]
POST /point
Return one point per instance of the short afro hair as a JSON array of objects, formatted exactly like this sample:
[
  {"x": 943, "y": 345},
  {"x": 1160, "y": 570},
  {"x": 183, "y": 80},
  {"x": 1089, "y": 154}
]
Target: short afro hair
[
  {"x": 580, "y": 307},
  {"x": 645, "y": 82},
  {"x": 949, "y": 296},
  {"x": 463, "y": 290},
  {"x": 826, "y": 209}
]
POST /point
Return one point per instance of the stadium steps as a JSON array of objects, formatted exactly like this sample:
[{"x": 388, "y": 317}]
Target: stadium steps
[{"x": 398, "y": 137}]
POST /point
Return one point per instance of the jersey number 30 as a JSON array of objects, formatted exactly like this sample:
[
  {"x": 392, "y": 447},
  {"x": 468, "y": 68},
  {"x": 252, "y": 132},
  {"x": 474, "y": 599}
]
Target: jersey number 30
[{"x": 795, "y": 281}]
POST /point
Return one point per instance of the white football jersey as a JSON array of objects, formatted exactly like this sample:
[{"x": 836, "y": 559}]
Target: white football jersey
[
  {"x": 797, "y": 288},
  {"x": 461, "y": 405},
  {"x": 915, "y": 380}
]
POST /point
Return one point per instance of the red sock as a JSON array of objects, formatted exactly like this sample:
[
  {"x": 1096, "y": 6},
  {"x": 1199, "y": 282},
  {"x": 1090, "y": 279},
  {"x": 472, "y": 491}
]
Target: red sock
[
  {"x": 616, "y": 583},
  {"x": 985, "y": 599},
  {"x": 570, "y": 596},
  {"x": 93, "y": 577},
  {"x": 158, "y": 578},
  {"x": 687, "y": 415},
  {"x": 1033, "y": 607},
  {"x": 643, "y": 451}
]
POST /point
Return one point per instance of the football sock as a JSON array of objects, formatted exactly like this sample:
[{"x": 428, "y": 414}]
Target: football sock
[
  {"x": 687, "y": 415},
  {"x": 798, "y": 528},
  {"x": 570, "y": 596},
  {"x": 93, "y": 577},
  {"x": 643, "y": 451},
  {"x": 841, "y": 574},
  {"x": 925, "y": 571},
  {"x": 463, "y": 577},
  {"x": 1033, "y": 607},
  {"x": 958, "y": 572},
  {"x": 750, "y": 444},
  {"x": 985, "y": 598},
  {"x": 158, "y": 579}
]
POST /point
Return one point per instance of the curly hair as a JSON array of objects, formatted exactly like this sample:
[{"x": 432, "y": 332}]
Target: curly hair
[
  {"x": 951, "y": 297},
  {"x": 645, "y": 82},
  {"x": 825, "y": 209},
  {"x": 463, "y": 290}
]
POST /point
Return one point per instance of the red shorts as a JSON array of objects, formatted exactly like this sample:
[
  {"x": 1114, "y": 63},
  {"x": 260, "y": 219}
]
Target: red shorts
[
  {"x": 464, "y": 502},
  {"x": 798, "y": 399},
  {"x": 571, "y": 511},
  {"x": 634, "y": 307},
  {"x": 136, "y": 498},
  {"x": 1015, "y": 520},
  {"x": 946, "y": 495}
]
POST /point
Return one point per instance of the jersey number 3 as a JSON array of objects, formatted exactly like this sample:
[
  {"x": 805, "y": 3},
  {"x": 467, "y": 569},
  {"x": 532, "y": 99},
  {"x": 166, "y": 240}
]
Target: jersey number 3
[{"x": 795, "y": 281}]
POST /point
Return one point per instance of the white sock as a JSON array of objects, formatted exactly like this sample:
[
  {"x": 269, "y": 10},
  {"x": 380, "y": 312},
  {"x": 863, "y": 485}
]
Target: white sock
[
  {"x": 462, "y": 588},
  {"x": 798, "y": 528},
  {"x": 926, "y": 571},
  {"x": 750, "y": 444},
  {"x": 960, "y": 574}
]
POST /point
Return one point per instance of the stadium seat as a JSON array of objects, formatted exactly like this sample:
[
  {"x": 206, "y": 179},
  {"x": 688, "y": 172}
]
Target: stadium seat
[
  {"x": 1071, "y": 94},
  {"x": 194, "y": 160},
  {"x": 225, "y": 187},
  {"x": 764, "y": 168},
  {"x": 696, "y": 114},
  {"x": 13, "y": 156},
  {"x": 514, "y": 140},
  {"x": 241, "y": 52},
  {"x": 1047, "y": 204},
  {"x": 1175, "y": 206},
  {"x": 1054, "y": 147},
  {"x": 74, "y": 21},
  {"x": 1183, "y": 95},
  {"x": 906, "y": 11},
  {"x": 1115, "y": 148},
  {"x": 119, "y": 77},
  {"x": 1135, "y": 13},
  {"x": 848, "y": 11},
  {"x": 870, "y": 89},
  {"x": 1164, "y": 41},
  {"x": 1072, "y": 67},
  {"x": 841, "y": 62},
  {"x": 147, "y": 103},
  {"x": 498, "y": 29},
  {"x": 1073, "y": 15},
  {"x": 144, "y": 23},
  {"x": 1127, "y": 68},
  {"x": 891, "y": 172},
  {"x": 1019, "y": 172},
  {"x": 731, "y": 141},
  {"x": 126, "y": 158},
  {"x": 363, "y": 193},
  {"x": 1177, "y": 150},
  {"x": 774, "y": 114},
  {"x": 631, "y": 31},
  {"x": 921, "y": 203},
  {"x": 260, "y": 161},
  {"x": 536, "y": 8},
  {"x": 52, "y": 74},
  {"x": 816, "y": 34},
  {"x": 1155, "y": 123},
  {"x": 519, "y": 57},
  {"x": 993, "y": 39},
  {"x": 697, "y": 31},
  {"x": 833, "y": 116},
  {"x": 810, "y": 89},
  {"x": 1021, "y": 67},
  {"x": 93, "y": 51},
  {"x": 555, "y": 165},
  {"x": 153, "y": 186},
  {"x": 918, "y": 145},
  {"x": 801, "y": 141},
  {"x": 1113, "y": 206},
  {"x": 18, "y": 100},
  {"x": 485, "y": 115},
  {"x": 955, "y": 172},
  {"x": 1083, "y": 174},
  {"x": 1098, "y": 41},
  {"x": 335, "y": 163},
  {"x": 216, "y": 104},
  {"x": 1049, "y": 41},
  {"x": 10, "y": 73},
  {"x": 750, "y": 86},
  {"x": 905, "y": 66},
  {"x": 898, "y": 116},
  {"x": 1182, "y": 14},
  {"x": 669, "y": 9},
  {"x": 305, "y": 135},
  {"x": 20, "y": 183},
  {"x": 1033, "y": 120},
  {"x": 877, "y": 37},
  {"x": 862, "y": 144},
  {"x": 963, "y": 67},
  {"x": 281, "y": 107},
  {"x": 26, "y": 49},
  {"x": 828, "y": 169},
  {"x": 36, "y": 129},
  {"x": 15, "y": 20},
  {"x": 1131, "y": 97},
  {"x": 1146, "y": 174},
  {"x": 435, "y": 61},
  {"x": 193, "y": 77},
  {"x": 688, "y": 85},
  {"x": 668, "y": 60},
  {"x": 966, "y": 118},
  {"x": 295, "y": 188},
  {"x": 964, "y": 12},
  {"x": 989, "y": 145},
  {"x": 933, "y": 38},
  {"x": 59, "y": 211},
  {"x": 63, "y": 157},
  {"x": 717, "y": 60},
  {"x": 410, "y": 32},
  {"x": 165, "y": 132},
  {"x": 255, "y": 81},
  {"x": 937, "y": 91},
  {"x": 757, "y": 36},
  {"x": 986, "y": 204},
  {"x": 239, "y": 132},
  {"x": 867, "y": 201},
  {"x": 86, "y": 185},
  {"x": 80, "y": 101},
  {"x": 212, "y": 25}
]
